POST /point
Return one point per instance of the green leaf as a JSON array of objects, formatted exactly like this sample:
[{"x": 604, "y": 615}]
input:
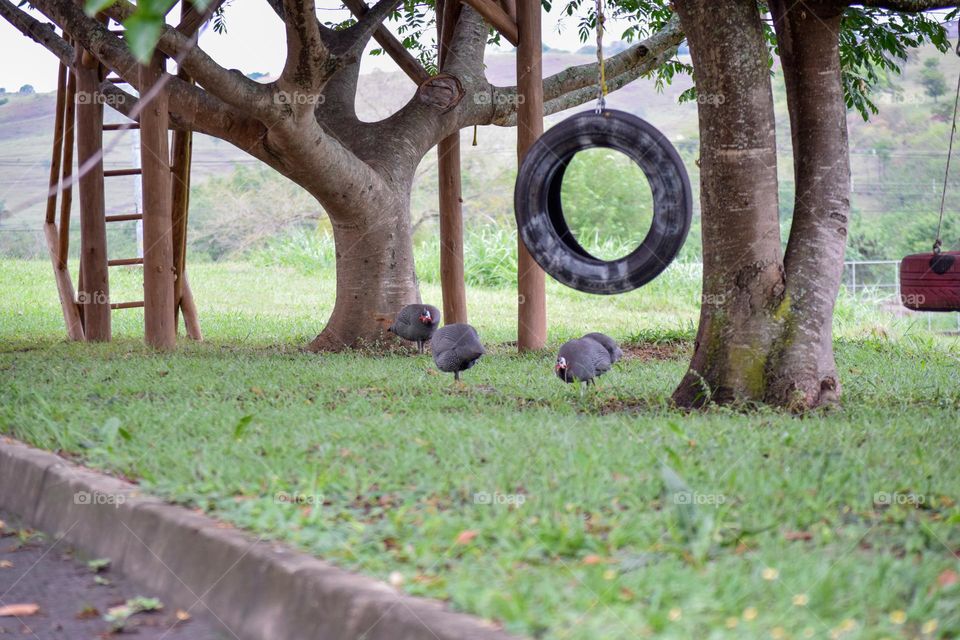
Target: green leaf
[
  {"x": 241, "y": 427},
  {"x": 93, "y": 7},
  {"x": 142, "y": 34}
]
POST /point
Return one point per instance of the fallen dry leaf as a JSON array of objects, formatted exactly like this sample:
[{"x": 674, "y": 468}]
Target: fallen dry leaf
[
  {"x": 947, "y": 578},
  {"x": 182, "y": 615},
  {"x": 797, "y": 535},
  {"x": 18, "y": 610},
  {"x": 592, "y": 559},
  {"x": 466, "y": 536},
  {"x": 5, "y": 564}
]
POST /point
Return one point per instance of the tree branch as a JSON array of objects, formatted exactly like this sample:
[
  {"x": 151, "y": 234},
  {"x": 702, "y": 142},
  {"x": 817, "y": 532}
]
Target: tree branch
[
  {"x": 191, "y": 107},
  {"x": 576, "y": 85},
  {"x": 42, "y": 34},
  {"x": 309, "y": 63},
  {"x": 407, "y": 63},
  {"x": 230, "y": 86}
]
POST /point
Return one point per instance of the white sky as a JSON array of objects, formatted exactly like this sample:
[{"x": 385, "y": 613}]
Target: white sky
[{"x": 254, "y": 42}]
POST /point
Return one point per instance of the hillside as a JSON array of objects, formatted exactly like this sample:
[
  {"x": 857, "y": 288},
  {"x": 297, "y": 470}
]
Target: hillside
[{"x": 897, "y": 157}]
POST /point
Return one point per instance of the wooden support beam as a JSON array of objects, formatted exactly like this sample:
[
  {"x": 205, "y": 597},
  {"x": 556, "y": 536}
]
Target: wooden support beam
[
  {"x": 394, "y": 48},
  {"x": 66, "y": 196},
  {"x": 510, "y": 6},
  {"x": 191, "y": 319},
  {"x": 115, "y": 173},
  {"x": 499, "y": 20},
  {"x": 160, "y": 328},
  {"x": 127, "y": 305},
  {"x": 58, "y": 130},
  {"x": 191, "y": 18},
  {"x": 71, "y": 314},
  {"x": 451, "y": 199},
  {"x": 181, "y": 157},
  {"x": 531, "y": 285},
  {"x": 94, "y": 290},
  {"x": 124, "y": 217}
]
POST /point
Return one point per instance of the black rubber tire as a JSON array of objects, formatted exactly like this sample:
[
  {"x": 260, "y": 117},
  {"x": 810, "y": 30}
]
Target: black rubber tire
[{"x": 539, "y": 213}]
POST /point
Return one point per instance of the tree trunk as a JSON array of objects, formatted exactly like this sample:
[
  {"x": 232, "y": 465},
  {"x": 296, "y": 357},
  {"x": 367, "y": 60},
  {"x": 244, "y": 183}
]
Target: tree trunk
[
  {"x": 806, "y": 375},
  {"x": 743, "y": 278},
  {"x": 765, "y": 330},
  {"x": 375, "y": 270}
]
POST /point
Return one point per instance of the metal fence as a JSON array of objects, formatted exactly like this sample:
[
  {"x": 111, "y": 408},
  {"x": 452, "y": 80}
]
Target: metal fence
[{"x": 878, "y": 281}]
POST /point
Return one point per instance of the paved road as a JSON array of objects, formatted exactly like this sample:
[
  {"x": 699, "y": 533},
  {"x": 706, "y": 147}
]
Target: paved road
[{"x": 35, "y": 569}]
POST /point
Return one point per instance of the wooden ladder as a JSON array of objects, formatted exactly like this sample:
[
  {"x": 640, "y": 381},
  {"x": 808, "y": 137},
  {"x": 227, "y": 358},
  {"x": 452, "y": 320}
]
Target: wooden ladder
[{"x": 87, "y": 313}]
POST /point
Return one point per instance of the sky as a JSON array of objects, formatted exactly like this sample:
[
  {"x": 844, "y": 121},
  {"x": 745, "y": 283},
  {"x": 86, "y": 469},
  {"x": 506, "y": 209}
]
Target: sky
[{"x": 254, "y": 42}]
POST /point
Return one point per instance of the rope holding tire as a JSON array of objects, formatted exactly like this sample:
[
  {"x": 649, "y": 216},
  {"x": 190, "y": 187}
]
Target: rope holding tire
[{"x": 544, "y": 230}]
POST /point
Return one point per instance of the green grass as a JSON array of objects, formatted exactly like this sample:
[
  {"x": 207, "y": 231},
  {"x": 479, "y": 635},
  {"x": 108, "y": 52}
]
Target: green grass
[{"x": 790, "y": 537}]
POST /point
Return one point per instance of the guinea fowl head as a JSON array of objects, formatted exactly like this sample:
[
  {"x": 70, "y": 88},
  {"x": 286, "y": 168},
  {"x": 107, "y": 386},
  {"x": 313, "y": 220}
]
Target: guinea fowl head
[
  {"x": 426, "y": 317},
  {"x": 561, "y": 367}
]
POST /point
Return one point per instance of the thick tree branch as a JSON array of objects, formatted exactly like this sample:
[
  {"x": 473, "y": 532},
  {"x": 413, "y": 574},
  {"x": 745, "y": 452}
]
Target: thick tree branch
[
  {"x": 198, "y": 111},
  {"x": 498, "y": 19},
  {"x": 42, "y": 34},
  {"x": 576, "y": 85},
  {"x": 191, "y": 107},
  {"x": 309, "y": 63},
  {"x": 394, "y": 48},
  {"x": 230, "y": 86},
  {"x": 368, "y": 22}
]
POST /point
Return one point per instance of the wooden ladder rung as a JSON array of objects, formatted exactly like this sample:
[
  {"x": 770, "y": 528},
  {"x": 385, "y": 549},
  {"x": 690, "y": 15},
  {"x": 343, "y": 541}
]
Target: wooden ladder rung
[
  {"x": 122, "y": 262},
  {"x": 127, "y": 305},
  {"x": 112, "y": 173},
  {"x": 123, "y": 217},
  {"x": 121, "y": 127},
  {"x": 116, "y": 80}
]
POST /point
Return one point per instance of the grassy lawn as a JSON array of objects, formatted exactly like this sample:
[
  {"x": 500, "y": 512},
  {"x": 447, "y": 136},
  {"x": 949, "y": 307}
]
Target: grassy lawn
[{"x": 608, "y": 516}]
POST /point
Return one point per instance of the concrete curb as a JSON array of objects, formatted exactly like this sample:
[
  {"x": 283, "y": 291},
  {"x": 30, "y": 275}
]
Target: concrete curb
[{"x": 260, "y": 590}]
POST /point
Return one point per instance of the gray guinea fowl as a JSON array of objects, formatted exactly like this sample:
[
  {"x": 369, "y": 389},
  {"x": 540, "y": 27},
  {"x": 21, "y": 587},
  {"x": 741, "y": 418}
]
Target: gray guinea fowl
[
  {"x": 608, "y": 343},
  {"x": 456, "y": 348},
  {"x": 581, "y": 361},
  {"x": 416, "y": 322}
]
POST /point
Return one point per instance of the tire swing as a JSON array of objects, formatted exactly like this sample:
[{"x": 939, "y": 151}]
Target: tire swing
[
  {"x": 544, "y": 230},
  {"x": 931, "y": 281}
]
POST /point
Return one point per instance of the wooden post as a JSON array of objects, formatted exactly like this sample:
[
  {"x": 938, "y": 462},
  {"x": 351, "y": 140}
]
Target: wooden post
[
  {"x": 94, "y": 290},
  {"x": 181, "y": 154},
  {"x": 451, "y": 210},
  {"x": 57, "y": 145},
  {"x": 159, "y": 316},
  {"x": 531, "y": 286},
  {"x": 66, "y": 196}
]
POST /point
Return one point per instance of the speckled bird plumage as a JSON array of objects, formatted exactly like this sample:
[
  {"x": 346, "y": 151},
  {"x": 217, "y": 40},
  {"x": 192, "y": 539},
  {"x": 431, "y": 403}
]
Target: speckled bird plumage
[
  {"x": 608, "y": 343},
  {"x": 456, "y": 348},
  {"x": 409, "y": 326},
  {"x": 582, "y": 360}
]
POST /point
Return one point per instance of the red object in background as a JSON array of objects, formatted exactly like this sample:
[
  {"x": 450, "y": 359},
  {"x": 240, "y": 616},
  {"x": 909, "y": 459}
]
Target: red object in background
[{"x": 931, "y": 282}]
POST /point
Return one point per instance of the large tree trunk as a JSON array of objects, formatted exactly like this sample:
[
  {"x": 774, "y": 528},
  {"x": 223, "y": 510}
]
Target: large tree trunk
[
  {"x": 743, "y": 280},
  {"x": 765, "y": 324},
  {"x": 375, "y": 270},
  {"x": 809, "y": 52}
]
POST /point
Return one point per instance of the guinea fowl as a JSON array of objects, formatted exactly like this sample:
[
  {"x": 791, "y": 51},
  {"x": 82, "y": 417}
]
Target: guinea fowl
[
  {"x": 456, "y": 348},
  {"x": 608, "y": 343},
  {"x": 581, "y": 361},
  {"x": 416, "y": 322}
]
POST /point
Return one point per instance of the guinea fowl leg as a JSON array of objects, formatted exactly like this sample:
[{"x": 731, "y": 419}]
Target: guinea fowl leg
[
  {"x": 456, "y": 376},
  {"x": 420, "y": 346}
]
